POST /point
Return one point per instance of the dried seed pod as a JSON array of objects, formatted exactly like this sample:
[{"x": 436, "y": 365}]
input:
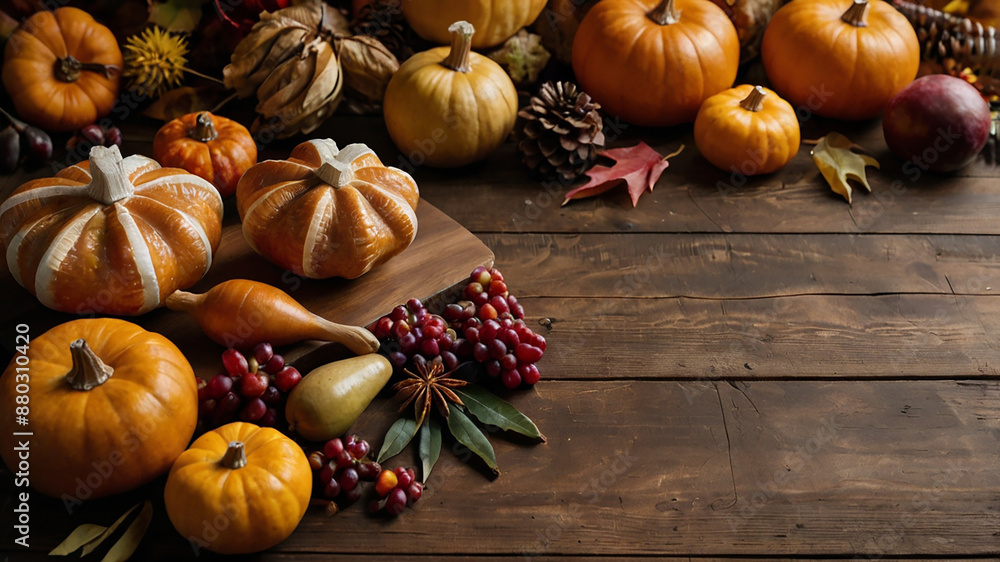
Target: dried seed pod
[
  {"x": 300, "y": 92},
  {"x": 368, "y": 66}
]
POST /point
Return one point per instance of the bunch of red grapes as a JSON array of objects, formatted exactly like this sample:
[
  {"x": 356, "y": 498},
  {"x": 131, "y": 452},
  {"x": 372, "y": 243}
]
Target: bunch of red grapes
[
  {"x": 340, "y": 468},
  {"x": 487, "y": 326},
  {"x": 396, "y": 489},
  {"x": 252, "y": 390}
]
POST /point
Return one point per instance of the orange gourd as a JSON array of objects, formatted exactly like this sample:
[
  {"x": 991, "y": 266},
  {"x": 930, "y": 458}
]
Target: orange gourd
[
  {"x": 61, "y": 68},
  {"x": 843, "y": 59},
  {"x": 449, "y": 107},
  {"x": 209, "y": 146},
  {"x": 495, "y": 20},
  {"x": 747, "y": 130},
  {"x": 654, "y": 62},
  {"x": 111, "y": 235},
  {"x": 327, "y": 212},
  {"x": 242, "y": 313},
  {"x": 238, "y": 489},
  {"x": 111, "y": 408}
]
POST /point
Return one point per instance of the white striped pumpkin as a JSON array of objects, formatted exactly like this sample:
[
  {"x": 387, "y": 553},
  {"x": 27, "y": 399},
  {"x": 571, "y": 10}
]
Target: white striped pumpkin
[
  {"x": 327, "y": 212},
  {"x": 111, "y": 235}
]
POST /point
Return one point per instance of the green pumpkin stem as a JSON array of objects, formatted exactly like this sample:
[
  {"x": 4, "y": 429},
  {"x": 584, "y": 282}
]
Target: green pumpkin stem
[
  {"x": 109, "y": 182},
  {"x": 204, "y": 128},
  {"x": 235, "y": 457},
  {"x": 665, "y": 13},
  {"x": 68, "y": 69},
  {"x": 855, "y": 15},
  {"x": 88, "y": 370},
  {"x": 461, "y": 46},
  {"x": 755, "y": 101}
]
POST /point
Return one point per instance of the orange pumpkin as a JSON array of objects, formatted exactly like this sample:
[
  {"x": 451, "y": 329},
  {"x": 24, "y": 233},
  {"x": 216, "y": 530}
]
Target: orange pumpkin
[
  {"x": 61, "y": 69},
  {"x": 747, "y": 130},
  {"x": 495, "y": 20},
  {"x": 654, "y": 62},
  {"x": 238, "y": 489},
  {"x": 111, "y": 235},
  {"x": 209, "y": 146},
  {"x": 843, "y": 59},
  {"x": 112, "y": 406},
  {"x": 328, "y": 212}
]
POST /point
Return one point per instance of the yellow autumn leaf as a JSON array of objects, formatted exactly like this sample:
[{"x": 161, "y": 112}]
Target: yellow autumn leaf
[{"x": 839, "y": 164}]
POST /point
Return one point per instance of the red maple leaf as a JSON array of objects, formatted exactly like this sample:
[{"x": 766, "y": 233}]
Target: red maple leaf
[{"x": 638, "y": 166}]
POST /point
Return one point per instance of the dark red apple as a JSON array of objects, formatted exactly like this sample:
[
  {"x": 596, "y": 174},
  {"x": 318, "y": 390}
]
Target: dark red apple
[{"x": 937, "y": 123}]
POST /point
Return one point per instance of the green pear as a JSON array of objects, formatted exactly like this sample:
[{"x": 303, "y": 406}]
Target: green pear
[{"x": 327, "y": 401}]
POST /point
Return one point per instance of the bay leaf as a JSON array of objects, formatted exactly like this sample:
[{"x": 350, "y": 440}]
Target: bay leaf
[
  {"x": 92, "y": 545},
  {"x": 396, "y": 439},
  {"x": 430, "y": 446},
  {"x": 839, "y": 164},
  {"x": 465, "y": 432},
  {"x": 127, "y": 545},
  {"x": 79, "y": 537},
  {"x": 493, "y": 410}
]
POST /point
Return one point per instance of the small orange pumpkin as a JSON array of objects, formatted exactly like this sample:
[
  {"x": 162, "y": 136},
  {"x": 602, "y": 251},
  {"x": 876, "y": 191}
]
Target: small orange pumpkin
[
  {"x": 112, "y": 406},
  {"x": 328, "y": 212},
  {"x": 61, "y": 68},
  {"x": 111, "y": 235},
  {"x": 238, "y": 489},
  {"x": 843, "y": 59},
  {"x": 748, "y": 130},
  {"x": 209, "y": 146},
  {"x": 495, "y": 20}
]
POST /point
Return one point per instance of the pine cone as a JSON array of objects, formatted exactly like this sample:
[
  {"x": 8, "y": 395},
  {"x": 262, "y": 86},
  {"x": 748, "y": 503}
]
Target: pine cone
[
  {"x": 953, "y": 42},
  {"x": 383, "y": 20},
  {"x": 560, "y": 132}
]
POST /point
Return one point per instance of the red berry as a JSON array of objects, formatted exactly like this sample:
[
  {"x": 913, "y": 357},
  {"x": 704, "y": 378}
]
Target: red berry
[
  {"x": 219, "y": 386},
  {"x": 253, "y": 410},
  {"x": 396, "y": 502},
  {"x": 398, "y": 313},
  {"x": 344, "y": 459},
  {"x": 287, "y": 378},
  {"x": 449, "y": 360},
  {"x": 415, "y": 491},
  {"x": 538, "y": 341},
  {"x": 487, "y": 312},
  {"x": 351, "y": 496},
  {"x": 529, "y": 374},
  {"x": 398, "y": 359},
  {"x": 468, "y": 309},
  {"x": 461, "y": 348},
  {"x": 359, "y": 449},
  {"x": 480, "y": 275},
  {"x": 226, "y": 408},
  {"x": 385, "y": 483},
  {"x": 92, "y": 134},
  {"x": 510, "y": 338},
  {"x": 446, "y": 340},
  {"x": 473, "y": 289},
  {"x": 404, "y": 479},
  {"x": 203, "y": 390},
  {"x": 508, "y": 362},
  {"x": 399, "y": 329},
  {"x": 497, "y": 349},
  {"x": 270, "y": 418},
  {"x": 429, "y": 348},
  {"x": 369, "y": 471},
  {"x": 489, "y": 331},
  {"x": 348, "y": 479},
  {"x": 333, "y": 448},
  {"x": 408, "y": 344},
  {"x": 493, "y": 368},
  {"x": 262, "y": 352},
  {"x": 253, "y": 385},
  {"x": 327, "y": 472},
  {"x": 271, "y": 396},
  {"x": 527, "y": 353},
  {"x": 510, "y": 379},
  {"x": 316, "y": 461},
  {"x": 480, "y": 352},
  {"x": 414, "y": 304},
  {"x": 235, "y": 363},
  {"x": 517, "y": 311},
  {"x": 498, "y": 287},
  {"x": 383, "y": 327},
  {"x": 452, "y": 312},
  {"x": 500, "y": 304},
  {"x": 472, "y": 334},
  {"x": 275, "y": 364},
  {"x": 113, "y": 136},
  {"x": 332, "y": 488},
  {"x": 480, "y": 299}
]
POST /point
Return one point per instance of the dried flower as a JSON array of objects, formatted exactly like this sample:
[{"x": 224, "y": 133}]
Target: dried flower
[{"x": 155, "y": 61}]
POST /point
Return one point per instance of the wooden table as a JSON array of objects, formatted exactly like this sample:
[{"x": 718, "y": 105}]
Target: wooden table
[{"x": 733, "y": 371}]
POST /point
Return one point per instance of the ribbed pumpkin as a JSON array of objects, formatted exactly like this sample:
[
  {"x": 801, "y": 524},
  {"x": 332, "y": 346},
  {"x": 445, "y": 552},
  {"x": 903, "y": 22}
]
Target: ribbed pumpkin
[
  {"x": 61, "y": 69},
  {"x": 843, "y": 59},
  {"x": 747, "y": 130},
  {"x": 209, "y": 146},
  {"x": 654, "y": 62},
  {"x": 112, "y": 406},
  {"x": 111, "y": 235},
  {"x": 495, "y": 20},
  {"x": 327, "y": 212},
  {"x": 449, "y": 107},
  {"x": 238, "y": 489}
]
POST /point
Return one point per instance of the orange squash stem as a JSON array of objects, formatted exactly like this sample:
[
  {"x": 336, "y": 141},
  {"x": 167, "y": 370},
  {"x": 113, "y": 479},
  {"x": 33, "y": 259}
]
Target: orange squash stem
[
  {"x": 461, "y": 46},
  {"x": 68, "y": 69},
  {"x": 755, "y": 101},
  {"x": 243, "y": 313},
  {"x": 855, "y": 15},
  {"x": 204, "y": 128},
  {"x": 235, "y": 457},
  {"x": 88, "y": 370},
  {"x": 664, "y": 13}
]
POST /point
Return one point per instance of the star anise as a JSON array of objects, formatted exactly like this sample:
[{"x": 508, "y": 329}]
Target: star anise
[{"x": 429, "y": 385}]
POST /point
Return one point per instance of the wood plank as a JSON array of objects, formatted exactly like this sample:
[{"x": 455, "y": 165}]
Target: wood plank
[
  {"x": 744, "y": 265},
  {"x": 357, "y": 302},
  {"x": 764, "y": 468},
  {"x": 856, "y": 337}
]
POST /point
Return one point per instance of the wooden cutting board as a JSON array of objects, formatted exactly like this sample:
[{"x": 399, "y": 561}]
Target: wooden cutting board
[{"x": 441, "y": 257}]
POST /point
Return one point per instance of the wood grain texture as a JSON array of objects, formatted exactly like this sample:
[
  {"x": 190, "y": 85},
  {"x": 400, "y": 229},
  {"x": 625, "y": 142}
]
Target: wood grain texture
[
  {"x": 812, "y": 336},
  {"x": 744, "y": 265},
  {"x": 660, "y": 468}
]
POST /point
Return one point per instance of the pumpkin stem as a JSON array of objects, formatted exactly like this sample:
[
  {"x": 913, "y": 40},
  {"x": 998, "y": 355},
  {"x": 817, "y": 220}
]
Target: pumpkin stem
[
  {"x": 334, "y": 172},
  {"x": 665, "y": 13},
  {"x": 461, "y": 46},
  {"x": 88, "y": 370},
  {"x": 109, "y": 181},
  {"x": 855, "y": 15},
  {"x": 183, "y": 301},
  {"x": 204, "y": 128},
  {"x": 68, "y": 69},
  {"x": 235, "y": 457},
  {"x": 755, "y": 101}
]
